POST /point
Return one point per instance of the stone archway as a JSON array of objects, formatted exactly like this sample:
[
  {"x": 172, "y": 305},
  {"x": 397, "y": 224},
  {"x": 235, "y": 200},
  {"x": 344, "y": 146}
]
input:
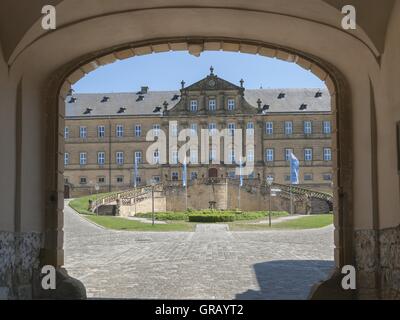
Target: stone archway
[{"x": 336, "y": 84}]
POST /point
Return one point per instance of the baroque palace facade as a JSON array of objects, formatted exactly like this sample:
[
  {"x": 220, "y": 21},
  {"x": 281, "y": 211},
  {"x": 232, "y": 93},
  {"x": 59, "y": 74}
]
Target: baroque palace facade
[{"x": 105, "y": 133}]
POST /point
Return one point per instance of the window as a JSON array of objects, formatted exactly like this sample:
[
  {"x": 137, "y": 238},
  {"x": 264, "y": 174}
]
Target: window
[
  {"x": 83, "y": 158},
  {"x": 138, "y": 130},
  {"x": 288, "y": 152},
  {"x": 287, "y": 177},
  {"x": 194, "y": 105},
  {"x": 157, "y": 179},
  {"x": 83, "y": 132},
  {"x": 138, "y": 180},
  {"x": 66, "y": 159},
  {"x": 212, "y": 127},
  {"x": 308, "y": 177},
  {"x": 327, "y": 154},
  {"x": 120, "y": 131},
  {"x": 120, "y": 158},
  {"x": 231, "y": 128},
  {"x": 288, "y": 127},
  {"x": 174, "y": 129},
  {"x": 269, "y": 155},
  {"x": 138, "y": 157},
  {"x": 156, "y": 130},
  {"x": 194, "y": 159},
  {"x": 175, "y": 176},
  {"x": 66, "y": 133},
  {"x": 82, "y": 180},
  {"x": 120, "y": 179},
  {"x": 250, "y": 128},
  {"x": 101, "y": 131},
  {"x": 327, "y": 177},
  {"x": 308, "y": 154},
  {"x": 101, "y": 158},
  {"x": 212, "y": 105},
  {"x": 231, "y": 174},
  {"x": 194, "y": 127},
  {"x": 269, "y": 128},
  {"x": 156, "y": 157},
  {"x": 231, "y": 104},
  {"x": 250, "y": 155},
  {"x": 327, "y": 127},
  {"x": 307, "y": 127},
  {"x": 231, "y": 157},
  {"x": 270, "y": 177},
  {"x": 101, "y": 180},
  {"x": 213, "y": 155},
  {"x": 174, "y": 159},
  {"x": 193, "y": 176}
]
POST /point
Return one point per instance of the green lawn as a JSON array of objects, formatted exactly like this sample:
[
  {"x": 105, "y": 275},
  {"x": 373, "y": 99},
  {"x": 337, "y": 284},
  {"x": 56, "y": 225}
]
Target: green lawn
[
  {"x": 117, "y": 223},
  {"x": 81, "y": 205},
  {"x": 311, "y": 222}
]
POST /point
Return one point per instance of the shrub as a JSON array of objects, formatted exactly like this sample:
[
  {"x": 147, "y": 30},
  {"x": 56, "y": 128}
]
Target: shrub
[
  {"x": 164, "y": 215},
  {"x": 212, "y": 217}
]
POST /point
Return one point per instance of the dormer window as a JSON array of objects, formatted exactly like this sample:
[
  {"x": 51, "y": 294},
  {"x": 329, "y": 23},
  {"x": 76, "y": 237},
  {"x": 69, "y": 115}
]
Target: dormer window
[
  {"x": 105, "y": 99},
  {"x": 231, "y": 104},
  {"x": 88, "y": 111},
  {"x": 194, "y": 105},
  {"x": 72, "y": 100},
  {"x": 212, "y": 105},
  {"x": 281, "y": 95},
  {"x": 122, "y": 110}
]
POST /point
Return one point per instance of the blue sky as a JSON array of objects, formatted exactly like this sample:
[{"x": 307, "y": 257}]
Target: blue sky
[{"x": 165, "y": 71}]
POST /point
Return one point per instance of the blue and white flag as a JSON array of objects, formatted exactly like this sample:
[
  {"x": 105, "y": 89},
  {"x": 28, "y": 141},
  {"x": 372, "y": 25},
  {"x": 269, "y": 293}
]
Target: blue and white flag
[
  {"x": 184, "y": 173},
  {"x": 136, "y": 175},
  {"x": 294, "y": 169},
  {"x": 240, "y": 174}
]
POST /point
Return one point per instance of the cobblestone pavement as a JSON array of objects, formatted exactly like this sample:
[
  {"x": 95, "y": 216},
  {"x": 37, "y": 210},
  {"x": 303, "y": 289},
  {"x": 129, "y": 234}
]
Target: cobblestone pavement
[{"x": 211, "y": 263}]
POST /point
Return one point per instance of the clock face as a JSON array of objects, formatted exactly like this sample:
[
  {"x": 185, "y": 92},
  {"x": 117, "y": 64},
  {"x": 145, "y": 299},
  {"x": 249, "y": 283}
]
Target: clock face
[{"x": 211, "y": 83}]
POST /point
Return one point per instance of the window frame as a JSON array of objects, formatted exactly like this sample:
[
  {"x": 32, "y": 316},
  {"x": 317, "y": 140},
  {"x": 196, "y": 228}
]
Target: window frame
[
  {"x": 103, "y": 158},
  {"x": 101, "y": 131}
]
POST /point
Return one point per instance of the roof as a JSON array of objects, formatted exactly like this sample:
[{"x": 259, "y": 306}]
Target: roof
[{"x": 291, "y": 102}]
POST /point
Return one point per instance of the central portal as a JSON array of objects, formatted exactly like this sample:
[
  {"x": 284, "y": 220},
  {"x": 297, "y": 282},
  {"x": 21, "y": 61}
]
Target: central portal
[{"x": 213, "y": 173}]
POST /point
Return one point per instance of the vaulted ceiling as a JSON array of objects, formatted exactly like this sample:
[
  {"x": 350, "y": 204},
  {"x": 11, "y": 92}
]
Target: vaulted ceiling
[{"x": 18, "y": 17}]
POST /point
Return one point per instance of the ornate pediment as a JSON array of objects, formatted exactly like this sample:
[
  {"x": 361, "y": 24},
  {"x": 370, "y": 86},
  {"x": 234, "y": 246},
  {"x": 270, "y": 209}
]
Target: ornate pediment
[{"x": 213, "y": 82}]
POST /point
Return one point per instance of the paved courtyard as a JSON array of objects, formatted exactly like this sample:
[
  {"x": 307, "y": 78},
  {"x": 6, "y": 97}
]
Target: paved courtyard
[{"x": 211, "y": 263}]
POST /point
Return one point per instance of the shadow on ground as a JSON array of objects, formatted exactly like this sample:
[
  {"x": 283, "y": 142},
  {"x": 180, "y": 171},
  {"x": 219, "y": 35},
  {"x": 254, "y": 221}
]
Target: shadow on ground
[{"x": 287, "y": 279}]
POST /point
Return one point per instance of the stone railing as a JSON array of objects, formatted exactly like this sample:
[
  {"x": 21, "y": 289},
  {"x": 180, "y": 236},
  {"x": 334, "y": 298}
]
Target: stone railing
[
  {"x": 305, "y": 192},
  {"x": 125, "y": 196}
]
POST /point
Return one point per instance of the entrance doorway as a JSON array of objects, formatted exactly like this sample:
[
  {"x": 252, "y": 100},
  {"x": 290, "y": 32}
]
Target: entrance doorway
[
  {"x": 213, "y": 173},
  {"x": 66, "y": 191}
]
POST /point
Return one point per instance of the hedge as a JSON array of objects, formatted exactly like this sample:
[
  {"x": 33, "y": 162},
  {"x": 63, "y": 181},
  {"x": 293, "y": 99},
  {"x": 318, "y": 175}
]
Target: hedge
[{"x": 212, "y": 217}]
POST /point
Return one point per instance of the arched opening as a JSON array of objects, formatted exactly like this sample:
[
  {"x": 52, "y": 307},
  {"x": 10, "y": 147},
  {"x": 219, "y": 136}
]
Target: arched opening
[{"x": 324, "y": 71}]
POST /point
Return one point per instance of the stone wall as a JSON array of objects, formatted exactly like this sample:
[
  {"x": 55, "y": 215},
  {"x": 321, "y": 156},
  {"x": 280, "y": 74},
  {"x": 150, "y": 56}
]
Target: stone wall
[
  {"x": 19, "y": 260},
  {"x": 378, "y": 263},
  {"x": 390, "y": 262}
]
